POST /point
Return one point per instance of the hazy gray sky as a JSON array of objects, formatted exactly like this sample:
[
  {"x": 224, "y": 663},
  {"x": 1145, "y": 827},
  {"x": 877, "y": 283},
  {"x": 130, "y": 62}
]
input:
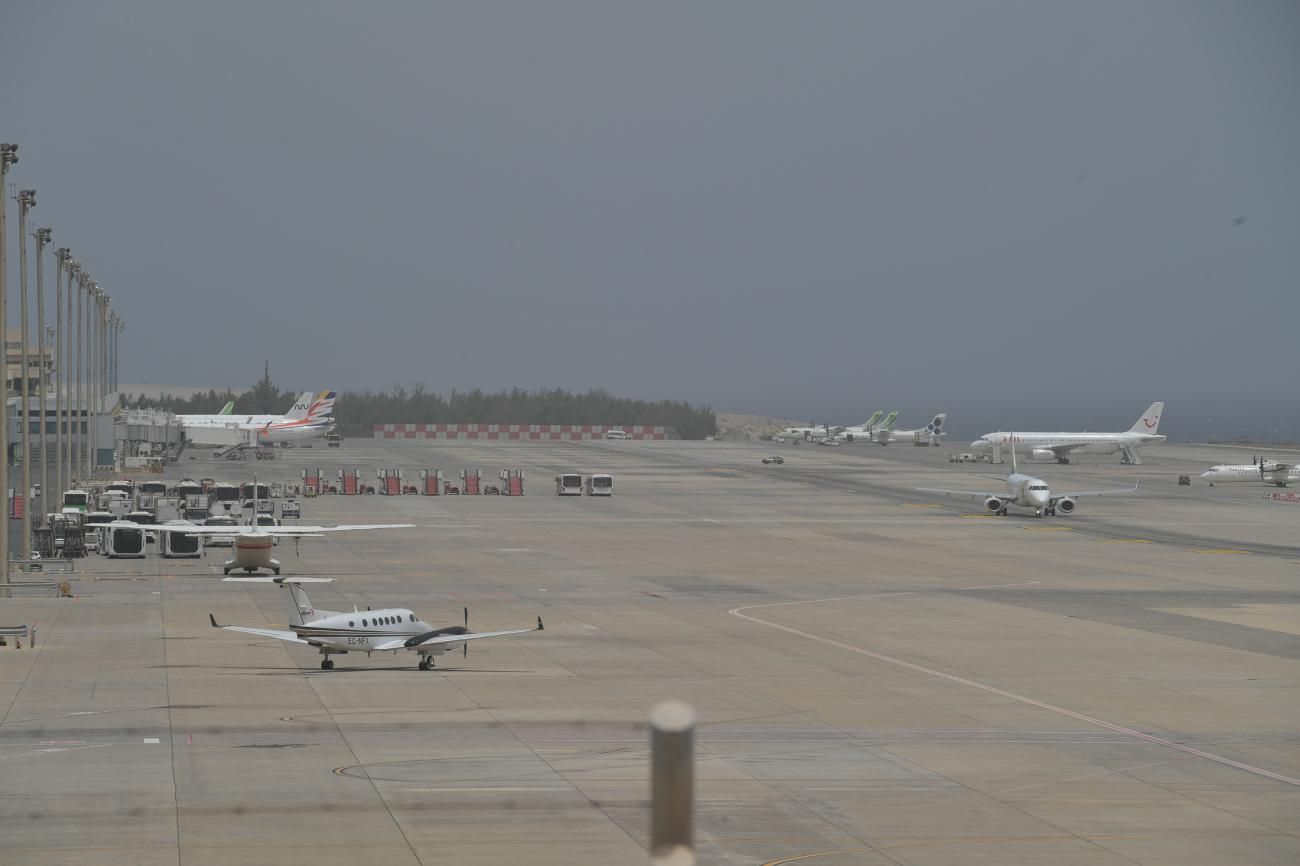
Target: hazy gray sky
[{"x": 1020, "y": 212}]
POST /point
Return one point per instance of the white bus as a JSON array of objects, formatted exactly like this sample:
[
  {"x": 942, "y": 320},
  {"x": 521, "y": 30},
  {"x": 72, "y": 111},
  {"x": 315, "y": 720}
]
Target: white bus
[
  {"x": 568, "y": 484},
  {"x": 600, "y": 485}
]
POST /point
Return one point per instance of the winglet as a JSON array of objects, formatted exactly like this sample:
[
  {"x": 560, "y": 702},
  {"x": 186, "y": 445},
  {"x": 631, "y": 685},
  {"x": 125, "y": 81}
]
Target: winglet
[
  {"x": 540, "y": 627},
  {"x": 214, "y": 621}
]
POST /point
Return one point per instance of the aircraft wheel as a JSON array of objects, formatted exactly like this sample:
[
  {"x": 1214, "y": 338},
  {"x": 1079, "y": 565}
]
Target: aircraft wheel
[
  {"x": 327, "y": 664},
  {"x": 424, "y": 664},
  {"x": 277, "y": 571},
  {"x": 225, "y": 571}
]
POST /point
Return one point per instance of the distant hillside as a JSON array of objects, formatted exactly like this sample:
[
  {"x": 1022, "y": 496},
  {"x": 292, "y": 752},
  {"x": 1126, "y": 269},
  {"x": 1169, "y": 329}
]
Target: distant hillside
[{"x": 736, "y": 427}]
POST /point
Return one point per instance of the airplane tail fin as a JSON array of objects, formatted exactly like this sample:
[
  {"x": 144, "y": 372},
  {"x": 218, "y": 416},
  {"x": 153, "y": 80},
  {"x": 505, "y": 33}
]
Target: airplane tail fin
[
  {"x": 228, "y": 408},
  {"x": 890, "y": 419},
  {"x": 935, "y": 427},
  {"x": 323, "y": 406},
  {"x": 872, "y": 421},
  {"x": 300, "y": 606},
  {"x": 1150, "y": 420},
  {"x": 313, "y": 406}
]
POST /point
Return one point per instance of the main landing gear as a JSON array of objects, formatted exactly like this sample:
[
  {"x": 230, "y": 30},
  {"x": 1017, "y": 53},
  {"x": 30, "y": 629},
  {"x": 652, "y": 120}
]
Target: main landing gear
[
  {"x": 327, "y": 664},
  {"x": 426, "y": 663}
]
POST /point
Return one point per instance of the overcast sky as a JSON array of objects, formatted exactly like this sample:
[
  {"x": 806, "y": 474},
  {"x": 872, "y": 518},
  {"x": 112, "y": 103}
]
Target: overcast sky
[{"x": 1022, "y": 213}]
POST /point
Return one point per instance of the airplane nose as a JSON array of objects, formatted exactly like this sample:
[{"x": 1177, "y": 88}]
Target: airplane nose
[{"x": 980, "y": 445}]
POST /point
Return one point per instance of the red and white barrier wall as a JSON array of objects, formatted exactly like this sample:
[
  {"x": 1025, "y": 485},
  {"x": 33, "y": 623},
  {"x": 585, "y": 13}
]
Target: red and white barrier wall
[{"x": 516, "y": 432}]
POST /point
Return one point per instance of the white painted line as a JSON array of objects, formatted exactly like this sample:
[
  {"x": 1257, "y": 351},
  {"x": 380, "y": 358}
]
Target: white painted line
[
  {"x": 152, "y": 741},
  {"x": 1024, "y": 699}
]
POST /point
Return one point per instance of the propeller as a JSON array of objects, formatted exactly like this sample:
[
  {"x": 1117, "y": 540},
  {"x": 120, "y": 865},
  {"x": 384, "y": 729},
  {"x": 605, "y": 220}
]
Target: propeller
[{"x": 464, "y": 648}]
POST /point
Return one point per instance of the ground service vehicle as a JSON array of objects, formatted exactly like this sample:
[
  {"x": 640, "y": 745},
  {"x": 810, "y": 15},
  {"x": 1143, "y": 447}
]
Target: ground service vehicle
[
  {"x": 600, "y": 485},
  {"x": 568, "y": 484}
]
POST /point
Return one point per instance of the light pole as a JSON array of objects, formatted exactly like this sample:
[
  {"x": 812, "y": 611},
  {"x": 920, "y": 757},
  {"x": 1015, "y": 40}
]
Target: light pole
[
  {"x": 42, "y": 236},
  {"x": 62, "y": 255},
  {"x": 8, "y": 156},
  {"x": 26, "y": 199},
  {"x": 82, "y": 278},
  {"x": 74, "y": 277}
]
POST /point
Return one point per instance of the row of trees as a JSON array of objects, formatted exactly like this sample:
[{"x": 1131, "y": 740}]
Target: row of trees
[{"x": 358, "y": 411}]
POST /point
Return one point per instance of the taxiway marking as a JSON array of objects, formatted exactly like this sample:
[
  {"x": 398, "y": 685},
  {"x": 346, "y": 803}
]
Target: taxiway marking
[{"x": 984, "y": 687}]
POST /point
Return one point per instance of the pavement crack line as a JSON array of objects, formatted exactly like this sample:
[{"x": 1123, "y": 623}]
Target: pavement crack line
[{"x": 1024, "y": 699}]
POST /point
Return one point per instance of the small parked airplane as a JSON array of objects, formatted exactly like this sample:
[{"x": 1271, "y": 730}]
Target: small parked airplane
[
  {"x": 252, "y": 547},
  {"x": 930, "y": 434},
  {"x": 1026, "y": 491},
  {"x": 389, "y": 630}
]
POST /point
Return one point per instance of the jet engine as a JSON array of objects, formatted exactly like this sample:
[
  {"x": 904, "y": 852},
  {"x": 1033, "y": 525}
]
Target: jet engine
[
  {"x": 993, "y": 504},
  {"x": 1043, "y": 454},
  {"x": 1066, "y": 505}
]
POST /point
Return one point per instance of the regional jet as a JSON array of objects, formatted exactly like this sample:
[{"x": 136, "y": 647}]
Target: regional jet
[
  {"x": 1263, "y": 471},
  {"x": 252, "y": 546},
  {"x": 1026, "y": 491},
  {"x": 1061, "y": 446},
  {"x": 369, "y": 631}
]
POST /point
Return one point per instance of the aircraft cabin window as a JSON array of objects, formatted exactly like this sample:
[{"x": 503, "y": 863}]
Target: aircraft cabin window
[
  {"x": 363, "y": 623},
  {"x": 352, "y": 624},
  {"x": 412, "y": 617}
]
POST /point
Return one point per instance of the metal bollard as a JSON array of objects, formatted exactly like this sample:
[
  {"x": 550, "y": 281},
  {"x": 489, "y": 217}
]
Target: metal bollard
[{"x": 672, "y": 781}]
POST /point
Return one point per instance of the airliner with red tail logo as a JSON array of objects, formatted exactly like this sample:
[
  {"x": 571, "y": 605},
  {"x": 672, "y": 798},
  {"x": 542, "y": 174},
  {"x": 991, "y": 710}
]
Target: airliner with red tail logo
[
  {"x": 311, "y": 415},
  {"x": 1061, "y": 446}
]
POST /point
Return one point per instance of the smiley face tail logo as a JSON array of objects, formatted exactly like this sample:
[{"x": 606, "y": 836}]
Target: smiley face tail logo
[{"x": 1150, "y": 419}]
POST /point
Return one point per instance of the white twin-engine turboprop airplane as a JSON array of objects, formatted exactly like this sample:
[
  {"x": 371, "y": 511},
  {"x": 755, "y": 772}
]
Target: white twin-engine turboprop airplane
[
  {"x": 1060, "y": 446},
  {"x": 1262, "y": 471},
  {"x": 369, "y": 631},
  {"x": 1026, "y": 491},
  {"x": 252, "y": 546}
]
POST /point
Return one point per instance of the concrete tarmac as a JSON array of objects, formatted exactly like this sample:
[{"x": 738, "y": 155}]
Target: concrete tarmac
[{"x": 881, "y": 676}]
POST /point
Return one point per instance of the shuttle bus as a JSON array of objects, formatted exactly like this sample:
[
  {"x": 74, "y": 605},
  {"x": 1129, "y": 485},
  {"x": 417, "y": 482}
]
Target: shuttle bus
[
  {"x": 600, "y": 485},
  {"x": 568, "y": 484}
]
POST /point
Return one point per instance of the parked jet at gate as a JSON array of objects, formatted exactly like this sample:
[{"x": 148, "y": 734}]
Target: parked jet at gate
[
  {"x": 1026, "y": 491},
  {"x": 1061, "y": 446},
  {"x": 369, "y": 631},
  {"x": 311, "y": 415},
  {"x": 1263, "y": 471},
  {"x": 252, "y": 547}
]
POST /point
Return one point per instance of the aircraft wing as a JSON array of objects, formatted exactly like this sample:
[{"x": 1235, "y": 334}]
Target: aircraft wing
[
  {"x": 970, "y": 493},
  {"x": 1119, "y": 492},
  {"x": 286, "y": 531},
  {"x": 261, "y": 632},
  {"x": 455, "y": 638}
]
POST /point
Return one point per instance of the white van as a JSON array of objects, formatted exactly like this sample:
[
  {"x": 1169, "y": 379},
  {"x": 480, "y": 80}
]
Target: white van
[{"x": 617, "y": 434}]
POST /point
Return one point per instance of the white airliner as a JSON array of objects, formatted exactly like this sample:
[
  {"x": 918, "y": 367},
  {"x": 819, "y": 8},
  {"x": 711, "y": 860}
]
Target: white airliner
[
  {"x": 1026, "y": 491},
  {"x": 252, "y": 546},
  {"x": 1264, "y": 472},
  {"x": 368, "y": 631},
  {"x": 930, "y": 434},
  {"x": 1061, "y": 446},
  {"x": 864, "y": 431},
  {"x": 806, "y": 432},
  {"x": 311, "y": 415}
]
